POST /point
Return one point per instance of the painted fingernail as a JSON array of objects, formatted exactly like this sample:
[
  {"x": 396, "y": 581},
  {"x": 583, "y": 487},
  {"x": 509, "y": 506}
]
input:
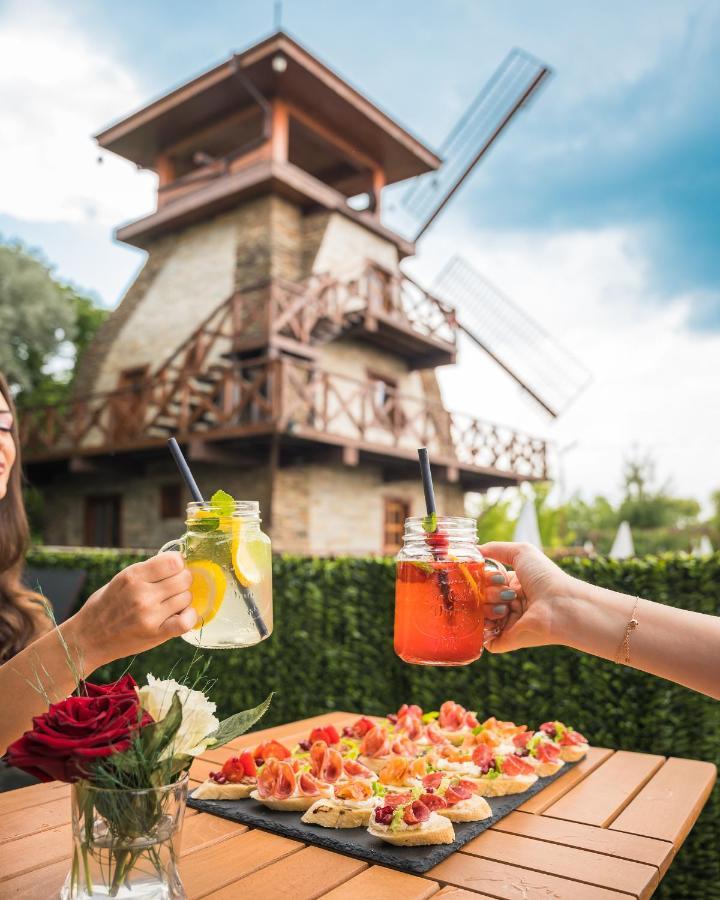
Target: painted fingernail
[
  {"x": 500, "y": 609},
  {"x": 508, "y": 594},
  {"x": 497, "y": 579}
]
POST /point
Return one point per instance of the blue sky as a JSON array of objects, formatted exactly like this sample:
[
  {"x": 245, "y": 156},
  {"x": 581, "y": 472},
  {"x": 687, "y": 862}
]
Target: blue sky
[{"x": 615, "y": 167}]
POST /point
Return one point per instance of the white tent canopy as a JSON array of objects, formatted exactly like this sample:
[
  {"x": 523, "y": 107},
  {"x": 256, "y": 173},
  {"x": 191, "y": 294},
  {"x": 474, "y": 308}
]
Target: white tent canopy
[
  {"x": 705, "y": 547},
  {"x": 623, "y": 546},
  {"x": 526, "y": 528}
]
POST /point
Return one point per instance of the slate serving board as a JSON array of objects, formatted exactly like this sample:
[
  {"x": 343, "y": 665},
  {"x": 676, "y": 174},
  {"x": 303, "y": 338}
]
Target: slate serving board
[{"x": 358, "y": 842}]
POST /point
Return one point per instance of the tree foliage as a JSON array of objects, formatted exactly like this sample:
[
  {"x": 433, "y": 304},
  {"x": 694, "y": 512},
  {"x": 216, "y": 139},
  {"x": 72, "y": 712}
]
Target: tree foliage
[{"x": 46, "y": 326}]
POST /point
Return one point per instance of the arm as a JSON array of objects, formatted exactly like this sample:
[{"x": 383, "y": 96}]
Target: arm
[
  {"x": 142, "y": 606},
  {"x": 552, "y": 607}
]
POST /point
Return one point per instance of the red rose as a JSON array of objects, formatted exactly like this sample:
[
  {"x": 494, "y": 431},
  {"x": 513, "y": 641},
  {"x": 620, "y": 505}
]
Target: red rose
[{"x": 71, "y": 734}]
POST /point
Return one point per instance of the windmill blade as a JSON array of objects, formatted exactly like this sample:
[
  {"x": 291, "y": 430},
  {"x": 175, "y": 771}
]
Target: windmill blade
[
  {"x": 543, "y": 368},
  {"x": 514, "y": 82}
]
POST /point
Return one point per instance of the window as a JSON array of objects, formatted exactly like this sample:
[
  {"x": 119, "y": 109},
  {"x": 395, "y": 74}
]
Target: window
[
  {"x": 396, "y": 511},
  {"x": 171, "y": 501},
  {"x": 102, "y": 521}
]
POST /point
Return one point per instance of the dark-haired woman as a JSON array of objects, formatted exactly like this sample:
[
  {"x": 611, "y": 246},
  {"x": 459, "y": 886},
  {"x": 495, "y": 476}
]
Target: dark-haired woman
[{"x": 142, "y": 606}]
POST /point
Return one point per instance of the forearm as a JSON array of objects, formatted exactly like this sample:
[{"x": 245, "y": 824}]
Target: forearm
[
  {"x": 44, "y": 672},
  {"x": 676, "y": 644}
]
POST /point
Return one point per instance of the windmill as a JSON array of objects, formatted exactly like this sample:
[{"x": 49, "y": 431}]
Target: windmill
[{"x": 547, "y": 372}]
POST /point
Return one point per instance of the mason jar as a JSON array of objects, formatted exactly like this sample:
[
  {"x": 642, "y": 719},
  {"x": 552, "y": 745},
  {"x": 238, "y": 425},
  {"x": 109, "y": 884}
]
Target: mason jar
[
  {"x": 440, "y": 593},
  {"x": 230, "y": 560}
]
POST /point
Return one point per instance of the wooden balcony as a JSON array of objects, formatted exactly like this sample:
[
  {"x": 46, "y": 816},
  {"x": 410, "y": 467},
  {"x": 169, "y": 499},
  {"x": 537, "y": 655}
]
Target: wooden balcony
[
  {"x": 296, "y": 401},
  {"x": 373, "y": 304}
]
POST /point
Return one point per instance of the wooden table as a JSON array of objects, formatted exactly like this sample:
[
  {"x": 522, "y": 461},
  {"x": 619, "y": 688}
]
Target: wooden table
[{"x": 608, "y": 829}]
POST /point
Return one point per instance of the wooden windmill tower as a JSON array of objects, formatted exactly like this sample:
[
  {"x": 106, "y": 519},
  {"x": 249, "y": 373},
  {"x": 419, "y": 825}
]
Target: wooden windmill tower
[{"x": 272, "y": 329}]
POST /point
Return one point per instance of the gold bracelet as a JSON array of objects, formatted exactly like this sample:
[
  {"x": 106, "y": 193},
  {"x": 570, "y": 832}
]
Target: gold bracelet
[{"x": 624, "y": 648}]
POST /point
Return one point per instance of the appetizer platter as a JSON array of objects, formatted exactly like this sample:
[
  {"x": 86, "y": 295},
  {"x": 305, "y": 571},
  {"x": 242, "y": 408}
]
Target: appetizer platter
[{"x": 405, "y": 791}]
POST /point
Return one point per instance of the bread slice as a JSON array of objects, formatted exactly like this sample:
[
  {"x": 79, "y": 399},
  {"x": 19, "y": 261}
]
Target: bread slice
[
  {"x": 439, "y": 830},
  {"x": 211, "y": 790},
  {"x": 474, "y": 809},
  {"x": 292, "y": 804},
  {"x": 503, "y": 785},
  {"x": 335, "y": 814},
  {"x": 573, "y": 753},
  {"x": 543, "y": 769},
  {"x": 374, "y": 763}
]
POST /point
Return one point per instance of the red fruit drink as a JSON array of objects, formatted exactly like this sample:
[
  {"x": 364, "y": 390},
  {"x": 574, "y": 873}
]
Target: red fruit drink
[{"x": 439, "y": 595}]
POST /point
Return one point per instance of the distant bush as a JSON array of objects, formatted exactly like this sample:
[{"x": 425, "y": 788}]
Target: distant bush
[{"x": 332, "y": 650}]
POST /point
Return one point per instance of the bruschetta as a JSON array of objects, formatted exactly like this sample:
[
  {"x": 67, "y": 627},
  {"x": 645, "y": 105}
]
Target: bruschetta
[
  {"x": 235, "y": 781},
  {"x": 404, "y": 821},
  {"x": 350, "y": 806},
  {"x": 280, "y": 787},
  {"x": 573, "y": 745}
]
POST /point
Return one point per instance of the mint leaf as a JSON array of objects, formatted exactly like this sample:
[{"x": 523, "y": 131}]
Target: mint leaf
[
  {"x": 224, "y": 502},
  {"x": 206, "y": 524},
  {"x": 429, "y": 523}
]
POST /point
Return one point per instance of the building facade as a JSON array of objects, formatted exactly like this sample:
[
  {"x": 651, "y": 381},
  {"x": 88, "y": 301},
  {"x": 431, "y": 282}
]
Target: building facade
[{"x": 271, "y": 330}]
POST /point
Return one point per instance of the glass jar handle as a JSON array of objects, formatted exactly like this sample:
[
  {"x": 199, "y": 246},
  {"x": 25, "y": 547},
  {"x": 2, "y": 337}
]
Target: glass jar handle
[
  {"x": 493, "y": 630},
  {"x": 179, "y": 544}
]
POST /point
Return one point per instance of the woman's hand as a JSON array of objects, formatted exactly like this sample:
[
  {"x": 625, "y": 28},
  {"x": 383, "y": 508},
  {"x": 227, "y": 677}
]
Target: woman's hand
[
  {"x": 522, "y": 604},
  {"x": 141, "y": 607}
]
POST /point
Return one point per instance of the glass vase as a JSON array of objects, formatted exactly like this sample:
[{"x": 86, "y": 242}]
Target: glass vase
[{"x": 126, "y": 843}]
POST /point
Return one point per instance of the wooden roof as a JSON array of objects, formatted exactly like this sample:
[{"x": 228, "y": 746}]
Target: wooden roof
[{"x": 306, "y": 81}]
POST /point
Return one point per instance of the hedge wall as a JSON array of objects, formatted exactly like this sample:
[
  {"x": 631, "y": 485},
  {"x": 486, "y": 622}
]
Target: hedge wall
[{"x": 332, "y": 649}]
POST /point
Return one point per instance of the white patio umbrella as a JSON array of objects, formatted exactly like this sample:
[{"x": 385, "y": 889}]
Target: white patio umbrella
[
  {"x": 623, "y": 546},
  {"x": 526, "y": 527},
  {"x": 704, "y": 548}
]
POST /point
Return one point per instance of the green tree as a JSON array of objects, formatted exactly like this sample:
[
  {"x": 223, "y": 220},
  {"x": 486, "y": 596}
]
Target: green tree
[
  {"x": 47, "y": 325},
  {"x": 646, "y": 506},
  {"x": 495, "y": 521}
]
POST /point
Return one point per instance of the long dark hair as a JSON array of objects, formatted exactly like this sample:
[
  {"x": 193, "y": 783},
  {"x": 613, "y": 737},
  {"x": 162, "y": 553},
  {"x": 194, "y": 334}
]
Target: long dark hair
[{"x": 21, "y": 615}]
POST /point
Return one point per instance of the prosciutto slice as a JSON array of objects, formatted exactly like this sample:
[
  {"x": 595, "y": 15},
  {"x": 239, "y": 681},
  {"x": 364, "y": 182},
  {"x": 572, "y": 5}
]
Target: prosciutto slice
[
  {"x": 310, "y": 786},
  {"x": 325, "y": 762},
  {"x": 452, "y": 716},
  {"x": 285, "y": 782},
  {"x": 375, "y": 743},
  {"x": 354, "y": 769},
  {"x": 267, "y": 778},
  {"x": 415, "y": 813}
]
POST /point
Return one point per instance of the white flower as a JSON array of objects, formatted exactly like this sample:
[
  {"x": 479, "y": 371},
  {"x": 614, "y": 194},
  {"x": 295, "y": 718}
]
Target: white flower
[{"x": 198, "y": 719}]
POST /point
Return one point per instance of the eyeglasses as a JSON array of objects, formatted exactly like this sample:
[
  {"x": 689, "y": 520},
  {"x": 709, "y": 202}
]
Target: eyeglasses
[{"x": 6, "y": 422}]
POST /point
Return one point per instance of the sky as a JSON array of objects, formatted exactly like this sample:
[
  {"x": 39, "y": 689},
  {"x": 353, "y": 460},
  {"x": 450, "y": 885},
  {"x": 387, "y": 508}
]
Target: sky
[{"x": 598, "y": 212}]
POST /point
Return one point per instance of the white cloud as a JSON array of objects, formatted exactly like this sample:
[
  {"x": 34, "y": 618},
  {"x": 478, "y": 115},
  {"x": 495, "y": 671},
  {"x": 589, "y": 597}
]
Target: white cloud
[
  {"x": 655, "y": 383},
  {"x": 57, "y": 87}
]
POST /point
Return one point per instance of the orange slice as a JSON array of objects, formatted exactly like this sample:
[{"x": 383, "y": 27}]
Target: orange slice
[{"x": 207, "y": 589}]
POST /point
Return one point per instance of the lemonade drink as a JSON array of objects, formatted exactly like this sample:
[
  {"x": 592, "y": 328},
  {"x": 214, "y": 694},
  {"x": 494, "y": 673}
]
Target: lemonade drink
[{"x": 230, "y": 561}]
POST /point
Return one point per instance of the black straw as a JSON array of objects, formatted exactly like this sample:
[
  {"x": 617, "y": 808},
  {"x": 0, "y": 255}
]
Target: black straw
[
  {"x": 184, "y": 468},
  {"x": 427, "y": 480},
  {"x": 187, "y": 475}
]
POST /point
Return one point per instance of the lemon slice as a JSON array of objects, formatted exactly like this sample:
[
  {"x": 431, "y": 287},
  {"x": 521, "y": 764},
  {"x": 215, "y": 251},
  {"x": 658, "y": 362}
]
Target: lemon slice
[
  {"x": 207, "y": 588},
  {"x": 247, "y": 570}
]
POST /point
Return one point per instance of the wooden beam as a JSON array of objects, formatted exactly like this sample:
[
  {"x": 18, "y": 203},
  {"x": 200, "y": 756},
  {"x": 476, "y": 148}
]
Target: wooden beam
[
  {"x": 279, "y": 138},
  {"x": 165, "y": 168},
  {"x": 345, "y": 148},
  {"x": 205, "y": 452},
  {"x": 378, "y": 182},
  {"x": 350, "y": 456}
]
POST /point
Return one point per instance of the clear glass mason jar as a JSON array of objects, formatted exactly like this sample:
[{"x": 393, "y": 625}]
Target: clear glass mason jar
[
  {"x": 230, "y": 560},
  {"x": 126, "y": 843},
  {"x": 440, "y": 594}
]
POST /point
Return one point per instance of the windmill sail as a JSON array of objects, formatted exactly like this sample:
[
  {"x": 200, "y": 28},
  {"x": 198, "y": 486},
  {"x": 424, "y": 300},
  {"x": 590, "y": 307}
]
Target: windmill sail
[
  {"x": 548, "y": 372},
  {"x": 511, "y": 86}
]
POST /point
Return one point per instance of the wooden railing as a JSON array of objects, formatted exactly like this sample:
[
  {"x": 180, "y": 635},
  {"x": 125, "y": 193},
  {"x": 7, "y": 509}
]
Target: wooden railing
[{"x": 236, "y": 399}]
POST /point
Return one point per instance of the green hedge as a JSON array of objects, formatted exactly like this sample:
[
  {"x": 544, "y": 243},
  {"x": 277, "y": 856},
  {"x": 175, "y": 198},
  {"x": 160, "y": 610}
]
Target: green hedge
[{"x": 332, "y": 649}]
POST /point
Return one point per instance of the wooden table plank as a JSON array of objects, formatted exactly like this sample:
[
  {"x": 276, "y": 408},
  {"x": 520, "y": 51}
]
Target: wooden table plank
[
  {"x": 547, "y": 796},
  {"x": 232, "y": 860},
  {"x": 301, "y": 876},
  {"x": 33, "y": 795},
  {"x": 379, "y": 883},
  {"x": 599, "y": 797},
  {"x": 670, "y": 802},
  {"x": 588, "y": 837},
  {"x": 205, "y": 830},
  {"x": 455, "y": 893},
  {"x": 634, "y": 878},
  {"x": 512, "y": 883},
  {"x": 36, "y": 884},
  {"x": 34, "y": 851},
  {"x": 24, "y": 822}
]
